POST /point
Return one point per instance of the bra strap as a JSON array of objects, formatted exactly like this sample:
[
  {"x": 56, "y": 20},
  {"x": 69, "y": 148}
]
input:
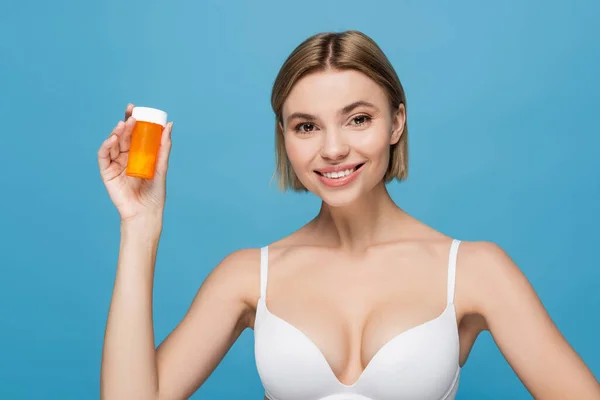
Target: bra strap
[
  {"x": 264, "y": 270},
  {"x": 452, "y": 270}
]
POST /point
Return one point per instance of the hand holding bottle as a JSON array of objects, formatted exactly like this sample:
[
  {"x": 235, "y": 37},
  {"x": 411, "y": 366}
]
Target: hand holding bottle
[{"x": 134, "y": 196}]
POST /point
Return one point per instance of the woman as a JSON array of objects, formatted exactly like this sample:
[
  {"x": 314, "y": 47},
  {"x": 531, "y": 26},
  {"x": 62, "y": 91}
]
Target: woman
[{"x": 364, "y": 301}]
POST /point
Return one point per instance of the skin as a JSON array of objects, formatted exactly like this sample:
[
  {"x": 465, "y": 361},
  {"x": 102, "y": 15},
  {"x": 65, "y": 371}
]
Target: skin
[{"x": 394, "y": 265}]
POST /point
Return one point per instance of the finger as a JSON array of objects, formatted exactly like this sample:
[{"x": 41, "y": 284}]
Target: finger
[
  {"x": 114, "y": 149},
  {"x": 125, "y": 138},
  {"x": 116, "y": 132},
  {"x": 104, "y": 152},
  {"x": 117, "y": 129},
  {"x": 128, "y": 111},
  {"x": 162, "y": 162}
]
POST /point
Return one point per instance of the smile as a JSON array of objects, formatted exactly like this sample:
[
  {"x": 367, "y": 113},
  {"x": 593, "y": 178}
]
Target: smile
[{"x": 339, "y": 176}]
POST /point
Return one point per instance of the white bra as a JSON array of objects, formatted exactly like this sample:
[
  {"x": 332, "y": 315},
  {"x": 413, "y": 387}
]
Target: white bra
[{"x": 420, "y": 363}]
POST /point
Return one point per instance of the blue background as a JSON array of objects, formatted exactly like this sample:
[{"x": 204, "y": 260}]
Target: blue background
[{"x": 502, "y": 109}]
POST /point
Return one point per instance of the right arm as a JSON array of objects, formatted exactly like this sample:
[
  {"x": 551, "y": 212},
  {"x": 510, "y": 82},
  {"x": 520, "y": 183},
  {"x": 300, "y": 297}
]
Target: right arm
[
  {"x": 131, "y": 366},
  {"x": 221, "y": 310}
]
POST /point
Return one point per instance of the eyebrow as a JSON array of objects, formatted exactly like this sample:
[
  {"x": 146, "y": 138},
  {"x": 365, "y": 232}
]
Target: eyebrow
[{"x": 345, "y": 110}]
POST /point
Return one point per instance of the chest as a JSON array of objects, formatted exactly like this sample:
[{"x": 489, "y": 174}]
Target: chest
[
  {"x": 348, "y": 314},
  {"x": 418, "y": 362}
]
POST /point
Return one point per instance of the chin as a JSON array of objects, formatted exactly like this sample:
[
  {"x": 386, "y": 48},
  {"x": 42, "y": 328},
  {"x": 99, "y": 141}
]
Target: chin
[
  {"x": 339, "y": 201},
  {"x": 339, "y": 197}
]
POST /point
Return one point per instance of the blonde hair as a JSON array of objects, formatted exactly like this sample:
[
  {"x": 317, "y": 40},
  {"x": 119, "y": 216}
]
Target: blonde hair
[{"x": 349, "y": 50}]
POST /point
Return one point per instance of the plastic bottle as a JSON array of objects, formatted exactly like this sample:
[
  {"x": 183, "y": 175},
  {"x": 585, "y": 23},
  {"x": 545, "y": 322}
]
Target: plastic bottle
[{"x": 145, "y": 141}]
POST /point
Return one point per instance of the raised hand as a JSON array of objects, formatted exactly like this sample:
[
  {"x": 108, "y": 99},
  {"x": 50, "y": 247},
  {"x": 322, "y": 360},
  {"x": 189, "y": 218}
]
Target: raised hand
[{"x": 133, "y": 197}]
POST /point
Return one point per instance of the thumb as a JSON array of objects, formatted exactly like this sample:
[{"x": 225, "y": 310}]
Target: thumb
[{"x": 162, "y": 161}]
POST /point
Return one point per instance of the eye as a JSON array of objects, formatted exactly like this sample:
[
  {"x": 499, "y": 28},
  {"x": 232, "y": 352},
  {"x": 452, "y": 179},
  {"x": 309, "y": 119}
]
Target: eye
[
  {"x": 360, "y": 120},
  {"x": 305, "y": 127}
]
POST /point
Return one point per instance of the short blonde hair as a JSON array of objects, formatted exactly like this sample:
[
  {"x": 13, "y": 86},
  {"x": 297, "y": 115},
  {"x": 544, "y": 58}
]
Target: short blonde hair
[{"x": 349, "y": 50}]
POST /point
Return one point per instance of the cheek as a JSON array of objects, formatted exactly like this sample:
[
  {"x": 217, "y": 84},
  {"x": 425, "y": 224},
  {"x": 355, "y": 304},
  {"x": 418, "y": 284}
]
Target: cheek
[
  {"x": 299, "y": 152},
  {"x": 374, "y": 146}
]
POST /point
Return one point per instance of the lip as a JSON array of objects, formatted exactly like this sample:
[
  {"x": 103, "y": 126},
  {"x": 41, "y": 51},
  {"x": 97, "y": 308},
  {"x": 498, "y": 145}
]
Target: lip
[
  {"x": 339, "y": 182},
  {"x": 337, "y": 168}
]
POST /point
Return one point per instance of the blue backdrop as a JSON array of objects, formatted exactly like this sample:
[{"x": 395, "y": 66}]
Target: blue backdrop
[{"x": 502, "y": 109}]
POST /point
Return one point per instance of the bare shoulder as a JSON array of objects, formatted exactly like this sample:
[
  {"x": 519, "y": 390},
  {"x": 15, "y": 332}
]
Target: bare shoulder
[
  {"x": 498, "y": 290},
  {"x": 489, "y": 255},
  {"x": 239, "y": 261},
  {"x": 489, "y": 277},
  {"x": 237, "y": 275}
]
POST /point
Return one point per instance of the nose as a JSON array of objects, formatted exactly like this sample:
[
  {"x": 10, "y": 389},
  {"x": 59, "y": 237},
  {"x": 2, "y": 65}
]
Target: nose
[{"x": 334, "y": 146}]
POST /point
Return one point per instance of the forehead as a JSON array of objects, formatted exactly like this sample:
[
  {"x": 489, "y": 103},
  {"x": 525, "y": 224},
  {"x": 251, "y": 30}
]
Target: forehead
[{"x": 326, "y": 92}]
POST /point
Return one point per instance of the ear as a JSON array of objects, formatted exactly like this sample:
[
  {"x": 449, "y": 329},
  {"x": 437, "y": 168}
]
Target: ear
[{"x": 398, "y": 124}]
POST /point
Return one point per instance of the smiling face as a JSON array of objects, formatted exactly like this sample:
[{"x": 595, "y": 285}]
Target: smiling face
[{"x": 338, "y": 128}]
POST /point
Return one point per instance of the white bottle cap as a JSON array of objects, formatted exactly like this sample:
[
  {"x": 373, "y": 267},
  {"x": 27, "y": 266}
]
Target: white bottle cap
[{"x": 150, "y": 115}]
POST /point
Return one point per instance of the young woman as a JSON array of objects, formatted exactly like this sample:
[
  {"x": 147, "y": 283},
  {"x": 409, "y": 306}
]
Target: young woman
[{"x": 364, "y": 301}]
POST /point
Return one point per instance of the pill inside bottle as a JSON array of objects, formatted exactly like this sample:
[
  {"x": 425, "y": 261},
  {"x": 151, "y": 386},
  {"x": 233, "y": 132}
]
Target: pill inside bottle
[{"x": 145, "y": 141}]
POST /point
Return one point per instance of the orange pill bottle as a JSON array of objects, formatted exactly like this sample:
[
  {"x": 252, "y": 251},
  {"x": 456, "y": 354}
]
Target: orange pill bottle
[{"x": 145, "y": 141}]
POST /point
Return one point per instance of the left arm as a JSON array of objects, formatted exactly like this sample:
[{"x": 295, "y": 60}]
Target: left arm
[{"x": 524, "y": 332}]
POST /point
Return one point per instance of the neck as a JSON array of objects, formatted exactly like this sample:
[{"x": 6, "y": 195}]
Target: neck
[{"x": 357, "y": 226}]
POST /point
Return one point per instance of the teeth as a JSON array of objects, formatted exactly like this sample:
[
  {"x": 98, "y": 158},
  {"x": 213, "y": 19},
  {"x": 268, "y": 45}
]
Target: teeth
[{"x": 339, "y": 174}]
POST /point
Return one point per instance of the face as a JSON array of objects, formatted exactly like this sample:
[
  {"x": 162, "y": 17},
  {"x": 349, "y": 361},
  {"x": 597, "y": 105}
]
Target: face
[{"x": 338, "y": 128}]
